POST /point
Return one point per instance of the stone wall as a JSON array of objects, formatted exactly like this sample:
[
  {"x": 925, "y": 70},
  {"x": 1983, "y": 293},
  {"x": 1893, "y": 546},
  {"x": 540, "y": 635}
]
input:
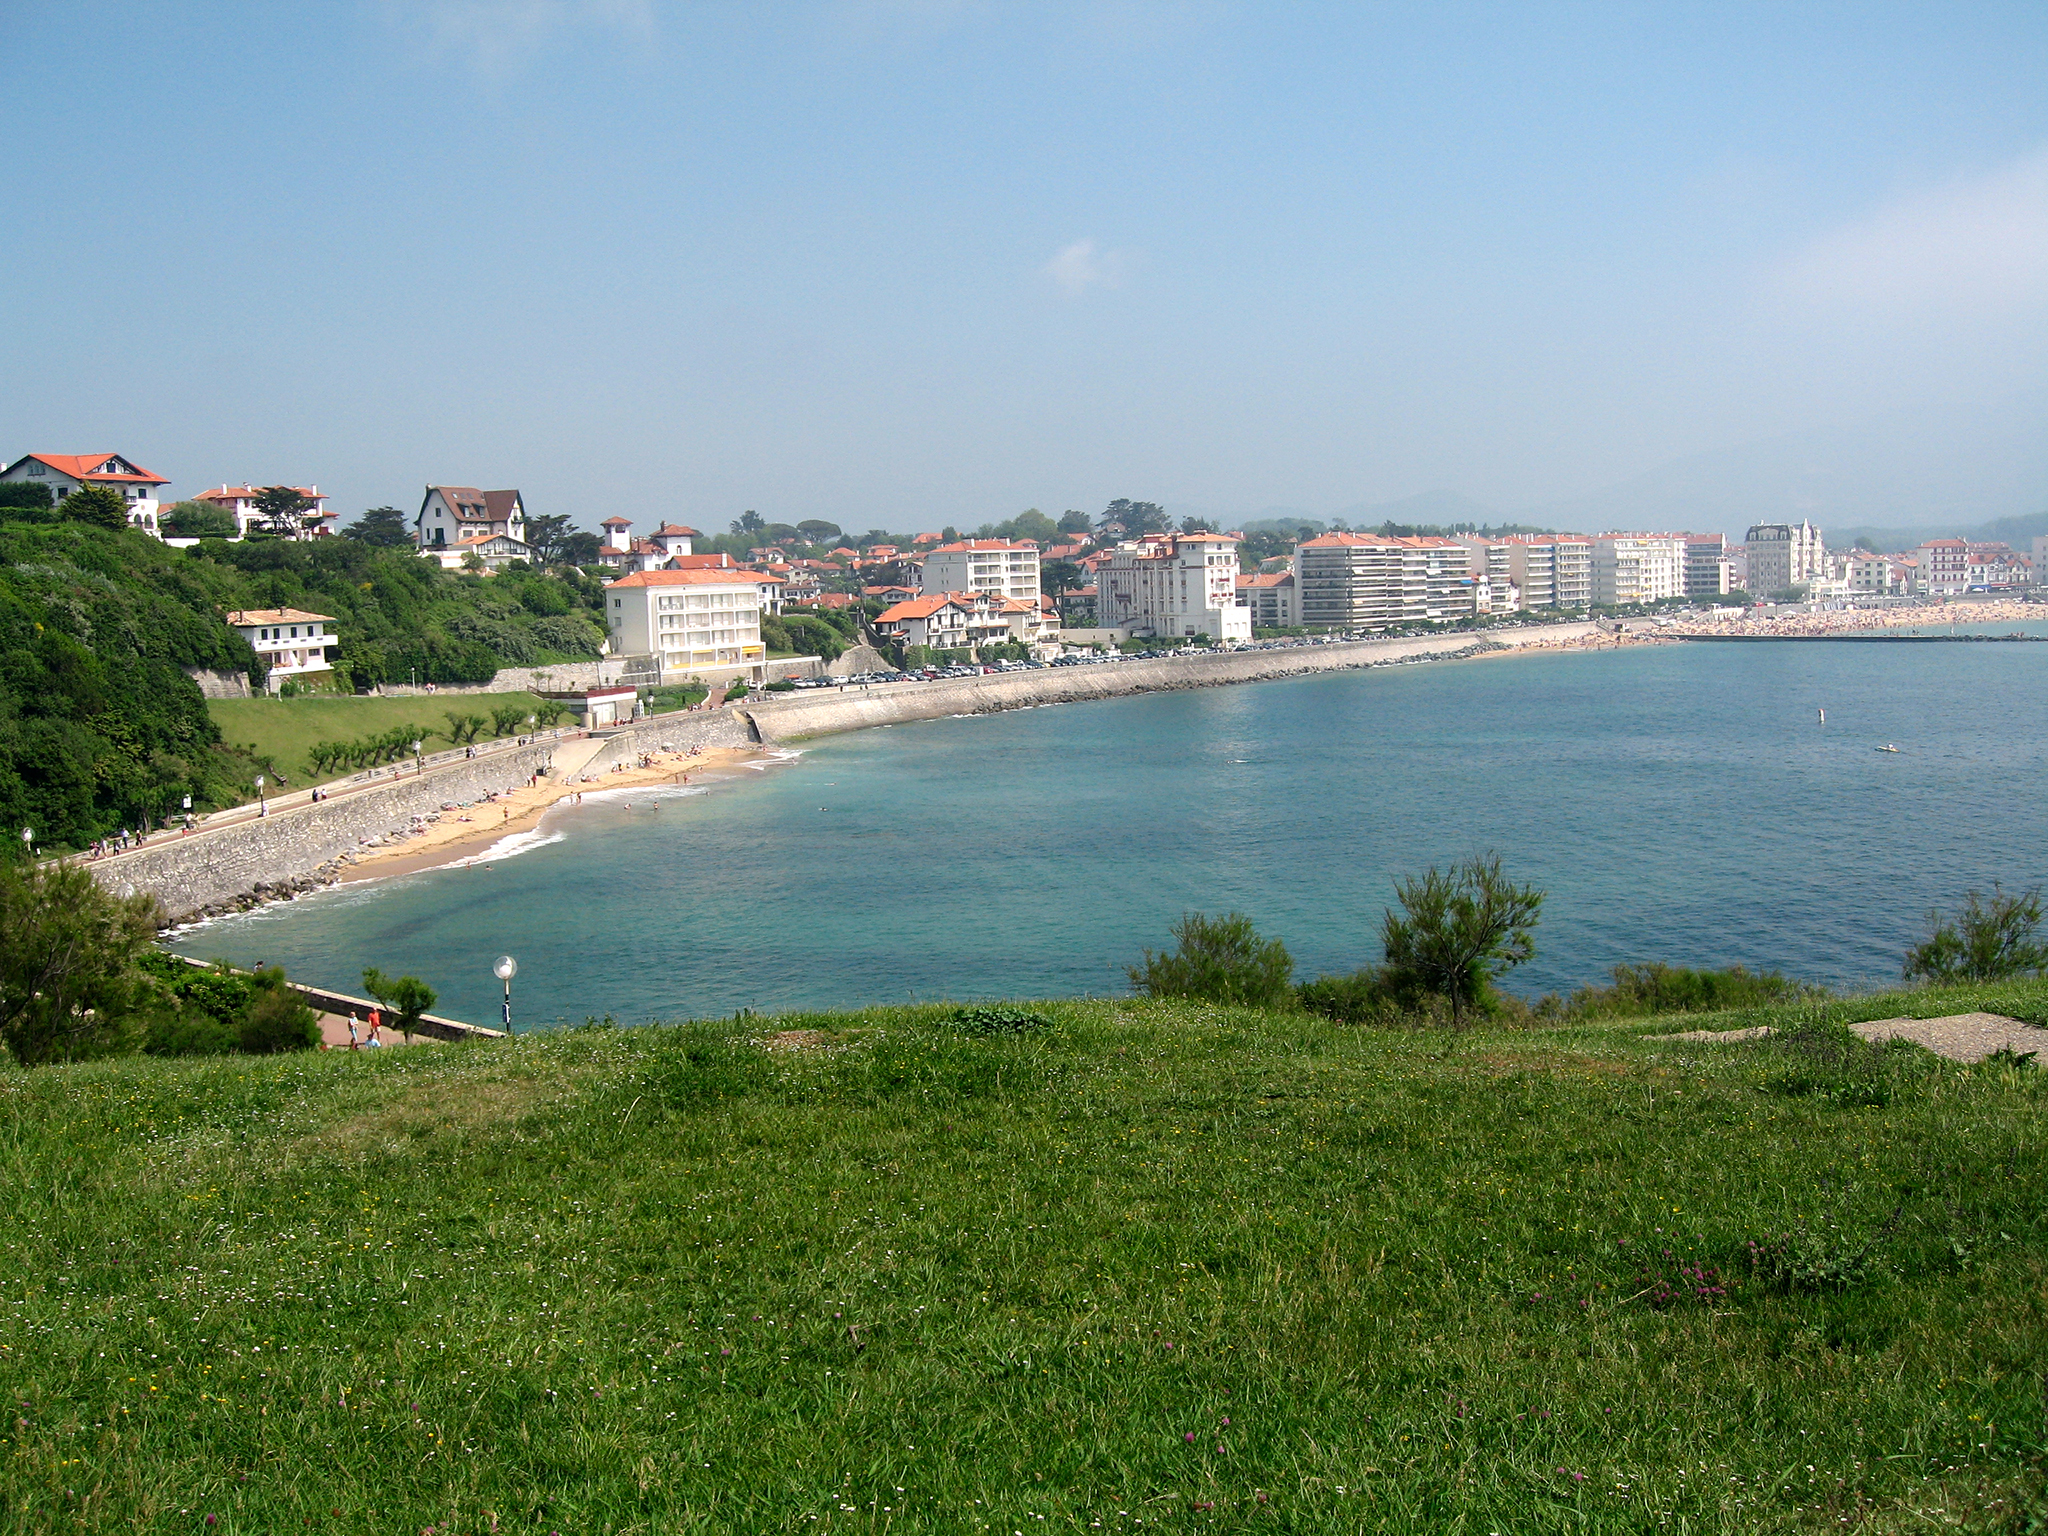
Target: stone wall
[
  {"x": 793, "y": 717},
  {"x": 219, "y": 685}
]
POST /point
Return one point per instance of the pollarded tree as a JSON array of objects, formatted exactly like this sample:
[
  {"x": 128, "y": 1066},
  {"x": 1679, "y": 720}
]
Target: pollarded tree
[{"x": 1460, "y": 931}]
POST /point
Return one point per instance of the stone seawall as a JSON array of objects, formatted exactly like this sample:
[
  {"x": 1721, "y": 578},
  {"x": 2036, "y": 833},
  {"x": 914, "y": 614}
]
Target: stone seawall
[{"x": 791, "y": 718}]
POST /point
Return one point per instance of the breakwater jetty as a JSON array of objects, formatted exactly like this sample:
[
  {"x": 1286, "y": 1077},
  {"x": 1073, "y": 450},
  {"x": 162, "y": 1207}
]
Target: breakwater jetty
[
  {"x": 1852, "y": 638},
  {"x": 304, "y": 846}
]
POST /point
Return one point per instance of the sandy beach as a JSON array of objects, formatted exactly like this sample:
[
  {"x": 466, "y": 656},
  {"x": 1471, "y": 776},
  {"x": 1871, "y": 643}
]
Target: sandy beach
[
  {"x": 459, "y": 835},
  {"x": 1924, "y": 616}
]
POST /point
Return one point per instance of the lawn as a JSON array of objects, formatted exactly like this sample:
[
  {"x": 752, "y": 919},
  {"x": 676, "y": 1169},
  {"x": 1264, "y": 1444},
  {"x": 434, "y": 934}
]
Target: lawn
[
  {"x": 282, "y": 729},
  {"x": 1159, "y": 1266}
]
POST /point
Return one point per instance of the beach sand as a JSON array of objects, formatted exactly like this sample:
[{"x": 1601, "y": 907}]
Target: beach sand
[{"x": 461, "y": 835}]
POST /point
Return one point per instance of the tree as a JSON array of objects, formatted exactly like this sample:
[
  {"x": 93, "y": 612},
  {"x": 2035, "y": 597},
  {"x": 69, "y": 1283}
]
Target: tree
[
  {"x": 1868, "y": 544},
  {"x": 1031, "y": 524},
  {"x": 380, "y": 528},
  {"x": 1072, "y": 521},
  {"x": 817, "y": 530},
  {"x": 547, "y": 534},
  {"x": 97, "y": 505},
  {"x": 1461, "y": 931},
  {"x": 71, "y": 986},
  {"x": 1986, "y": 940},
  {"x": 581, "y": 548},
  {"x": 406, "y": 996},
  {"x": 277, "y": 1018},
  {"x": 1057, "y": 576},
  {"x": 1194, "y": 524},
  {"x": 1134, "y": 518},
  {"x": 1221, "y": 959},
  {"x": 198, "y": 520},
  {"x": 748, "y": 522},
  {"x": 283, "y": 509}
]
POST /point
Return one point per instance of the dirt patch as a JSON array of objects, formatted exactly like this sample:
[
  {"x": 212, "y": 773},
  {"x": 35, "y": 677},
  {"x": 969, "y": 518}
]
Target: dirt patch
[
  {"x": 1958, "y": 1036},
  {"x": 423, "y": 1113},
  {"x": 798, "y": 1040},
  {"x": 1717, "y": 1036}
]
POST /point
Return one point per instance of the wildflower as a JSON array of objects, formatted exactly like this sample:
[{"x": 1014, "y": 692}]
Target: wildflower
[{"x": 1190, "y": 1437}]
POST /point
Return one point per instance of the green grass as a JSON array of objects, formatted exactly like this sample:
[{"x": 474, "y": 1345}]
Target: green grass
[
  {"x": 282, "y": 729},
  {"x": 1147, "y": 1266}
]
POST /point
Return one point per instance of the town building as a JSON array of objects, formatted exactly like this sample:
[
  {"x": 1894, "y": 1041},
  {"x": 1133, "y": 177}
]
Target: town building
[
  {"x": 1173, "y": 584},
  {"x": 1494, "y": 589},
  {"x": 1997, "y": 568},
  {"x": 1783, "y": 555},
  {"x": 955, "y": 620},
  {"x": 1709, "y": 573},
  {"x": 240, "y": 500},
  {"x": 1551, "y": 570},
  {"x": 1637, "y": 568},
  {"x": 1944, "y": 567},
  {"x": 460, "y": 516},
  {"x": 1874, "y": 575},
  {"x": 1270, "y": 599},
  {"x": 982, "y": 565},
  {"x": 600, "y": 706},
  {"x": 1364, "y": 581},
  {"x": 692, "y": 621},
  {"x": 64, "y": 473},
  {"x": 291, "y": 644}
]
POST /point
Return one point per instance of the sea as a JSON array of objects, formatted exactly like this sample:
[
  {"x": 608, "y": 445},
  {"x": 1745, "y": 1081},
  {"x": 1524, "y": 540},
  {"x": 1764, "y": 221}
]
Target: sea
[{"x": 1682, "y": 803}]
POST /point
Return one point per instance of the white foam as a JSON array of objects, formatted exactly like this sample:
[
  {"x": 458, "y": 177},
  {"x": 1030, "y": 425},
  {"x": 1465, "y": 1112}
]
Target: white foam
[{"x": 629, "y": 794}]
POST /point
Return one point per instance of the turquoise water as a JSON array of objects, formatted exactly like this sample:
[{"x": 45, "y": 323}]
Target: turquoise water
[{"x": 1679, "y": 803}]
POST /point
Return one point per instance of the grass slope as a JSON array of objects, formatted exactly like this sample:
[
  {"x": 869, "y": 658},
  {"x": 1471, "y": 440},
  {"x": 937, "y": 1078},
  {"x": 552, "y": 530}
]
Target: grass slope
[
  {"x": 1151, "y": 1266},
  {"x": 282, "y": 729}
]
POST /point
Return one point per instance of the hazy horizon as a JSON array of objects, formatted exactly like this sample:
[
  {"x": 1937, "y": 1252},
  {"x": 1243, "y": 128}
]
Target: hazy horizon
[{"x": 908, "y": 264}]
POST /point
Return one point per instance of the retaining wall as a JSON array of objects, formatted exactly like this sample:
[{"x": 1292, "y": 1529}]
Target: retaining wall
[{"x": 791, "y": 718}]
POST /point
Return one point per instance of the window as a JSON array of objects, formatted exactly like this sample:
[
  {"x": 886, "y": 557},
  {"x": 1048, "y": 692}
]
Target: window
[{"x": 37, "y": 470}]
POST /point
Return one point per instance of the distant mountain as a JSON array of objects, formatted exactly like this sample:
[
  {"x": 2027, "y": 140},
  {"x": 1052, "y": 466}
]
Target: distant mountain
[
  {"x": 1917, "y": 474},
  {"x": 2017, "y": 531},
  {"x": 1443, "y": 508}
]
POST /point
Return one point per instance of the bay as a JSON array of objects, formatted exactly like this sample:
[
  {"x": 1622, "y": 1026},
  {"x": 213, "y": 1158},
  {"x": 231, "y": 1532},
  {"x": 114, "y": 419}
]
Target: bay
[{"x": 1679, "y": 803}]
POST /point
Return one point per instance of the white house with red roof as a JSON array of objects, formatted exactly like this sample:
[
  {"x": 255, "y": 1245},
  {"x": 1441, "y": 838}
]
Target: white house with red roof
[
  {"x": 704, "y": 622},
  {"x": 1180, "y": 584},
  {"x": 953, "y": 620},
  {"x": 64, "y": 473},
  {"x": 241, "y": 501},
  {"x": 291, "y": 642},
  {"x": 449, "y": 514},
  {"x": 1009, "y": 569}
]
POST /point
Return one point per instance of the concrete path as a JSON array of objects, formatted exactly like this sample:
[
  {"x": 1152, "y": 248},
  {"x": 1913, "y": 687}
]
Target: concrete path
[{"x": 1958, "y": 1036}]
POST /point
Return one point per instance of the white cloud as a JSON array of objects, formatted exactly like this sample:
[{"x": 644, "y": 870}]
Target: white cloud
[
  {"x": 1081, "y": 266},
  {"x": 495, "y": 34},
  {"x": 1979, "y": 244}
]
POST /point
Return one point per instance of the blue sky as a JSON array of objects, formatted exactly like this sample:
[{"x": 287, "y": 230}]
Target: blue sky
[{"x": 910, "y": 264}]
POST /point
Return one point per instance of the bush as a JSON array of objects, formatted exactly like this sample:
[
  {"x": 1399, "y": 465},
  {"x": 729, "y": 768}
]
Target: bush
[
  {"x": 189, "y": 1032},
  {"x": 277, "y": 1019},
  {"x": 1831, "y": 1063},
  {"x": 1221, "y": 959},
  {"x": 71, "y": 980},
  {"x": 1460, "y": 932},
  {"x": 987, "y": 1020},
  {"x": 1642, "y": 990},
  {"x": 1986, "y": 941},
  {"x": 1359, "y": 998}
]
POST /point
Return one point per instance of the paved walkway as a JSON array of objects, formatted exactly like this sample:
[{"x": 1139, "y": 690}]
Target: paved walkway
[{"x": 1958, "y": 1036}]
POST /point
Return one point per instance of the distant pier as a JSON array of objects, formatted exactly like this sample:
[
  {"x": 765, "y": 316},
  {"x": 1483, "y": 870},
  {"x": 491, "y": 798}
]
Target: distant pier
[{"x": 1862, "y": 639}]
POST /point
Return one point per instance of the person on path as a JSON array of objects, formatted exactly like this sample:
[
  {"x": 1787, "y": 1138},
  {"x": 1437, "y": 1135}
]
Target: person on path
[
  {"x": 376, "y": 1040},
  {"x": 354, "y": 1040}
]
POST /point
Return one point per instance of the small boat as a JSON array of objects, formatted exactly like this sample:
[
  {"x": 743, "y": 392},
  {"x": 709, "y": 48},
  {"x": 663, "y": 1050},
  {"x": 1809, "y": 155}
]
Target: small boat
[{"x": 1887, "y": 747}]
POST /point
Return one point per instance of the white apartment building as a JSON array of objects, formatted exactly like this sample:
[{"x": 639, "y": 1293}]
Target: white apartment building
[
  {"x": 982, "y": 565},
  {"x": 1873, "y": 575},
  {"x": 1271, "y": 599},
  {"x": 1551, "y": 570},
  {"x": 1944, "y": 567},
  {"x": 698, "y": 621},
  {"x": 1784, "y": 555},
  {"x": 291, "y": 643},
  {"x": 1492, "y": 567},
  {"x": 64, "y": 473},
  {"x": 1637, "y": 568},
  {"x": 1173, "y": 584},
  {"x": 1363, "y": 581},
  {"x": 241, "y": 501}
]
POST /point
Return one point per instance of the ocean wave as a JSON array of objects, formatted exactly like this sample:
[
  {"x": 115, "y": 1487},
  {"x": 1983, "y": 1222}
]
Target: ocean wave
[{"x": 509, "y": 847}]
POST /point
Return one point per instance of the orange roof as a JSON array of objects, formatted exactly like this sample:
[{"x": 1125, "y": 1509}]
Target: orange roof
[
  {"x": 252, "y": 616},
  {"x": 966, "y": 546},
  {"x": 248, "y": 492},
  {"x": 703, "y": 563},
  {"x": 690, "y": 578},
  {"x": 88, "y": 466},
  {"x": 916, "y": 608},
  {"x": 674, "y": 530}
]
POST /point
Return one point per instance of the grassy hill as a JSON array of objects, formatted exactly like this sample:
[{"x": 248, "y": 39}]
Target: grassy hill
[
  {"x": 1149, "y": 1265},
  {"x": 282, "y": 730}
]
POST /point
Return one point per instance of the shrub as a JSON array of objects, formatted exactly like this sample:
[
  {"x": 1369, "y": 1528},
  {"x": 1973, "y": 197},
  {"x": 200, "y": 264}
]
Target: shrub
[
  {"x": 189, "y": 1032},
  {"x": 987, "y": 1020},
  {"x": 1986, "y": 941},
  {"x": 1359, "y": 998},
  {"x": 1641, "y": 990},
  {"x": 71, "y": 980},
  {"x": 1221, "y": 959},
  {"x": 277, "y": 1019},
  {"x": 1460, "y": 932},
  {"x": 1830, "y": 1063}
]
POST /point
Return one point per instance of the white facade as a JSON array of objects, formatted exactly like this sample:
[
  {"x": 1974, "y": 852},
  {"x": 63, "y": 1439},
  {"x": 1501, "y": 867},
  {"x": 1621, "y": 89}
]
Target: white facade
[
  {"x": 982, "y": 565},
  {"x": 1551, "y": 570},
  {"x": 1944, "y": 567},
  {"x": 1637, "y": 568},
  {"x": 1173, "y": 584},
  {"x": 953, "y": 620},
  {"x": 241, "y": 501},
  {"x": 1784, "y": 555},
  {"x": 693, "y": 621},
  {"x": 291, "y": 643},
  {"x": 1270, "y": 599},
  {"x": 1363, "y": 581},
  {"x": 64, "y": 473},
  {"x": 450, "y": 514}
]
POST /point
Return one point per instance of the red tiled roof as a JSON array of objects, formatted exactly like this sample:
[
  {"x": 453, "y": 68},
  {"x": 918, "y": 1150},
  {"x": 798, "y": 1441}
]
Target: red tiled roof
[
  {"x": 688, "y": 578},
  {"x": 86, "y": 466}
]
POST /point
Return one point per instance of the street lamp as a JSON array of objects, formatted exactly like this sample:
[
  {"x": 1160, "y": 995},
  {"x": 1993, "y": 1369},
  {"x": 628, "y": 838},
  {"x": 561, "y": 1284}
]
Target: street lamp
[
  {"x": 505, "y": 969},
  {"x": 262, "y": 805},
  {"x": 419, "y": 763},
  {"x": 28, "y": 842}
]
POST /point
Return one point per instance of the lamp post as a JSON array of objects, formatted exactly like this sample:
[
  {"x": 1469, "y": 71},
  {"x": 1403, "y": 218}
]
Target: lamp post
[
  {"x": 28, "y": 842},
  {"x": 505, "y": 969},
  {"x": 262, "y": 805},
  {"x": 419, "y": 763}
]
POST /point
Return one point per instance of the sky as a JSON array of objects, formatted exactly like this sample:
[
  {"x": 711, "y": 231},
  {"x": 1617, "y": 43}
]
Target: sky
[{"x": 910, "y": 264}]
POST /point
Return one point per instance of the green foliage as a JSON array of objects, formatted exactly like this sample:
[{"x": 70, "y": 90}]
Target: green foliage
[
  {"x": 736, "y": 690},
  {"x": 380, "y": 528},
  {"x": 406, "y": 996},
  {"x": 1988, "y": 940},
  {"x": 276, "y": 1018},
  {"x": 1362, "y": 997},
  {"x": 462, "y": 726},
  {"x": 71, "y": 982},
  {"x": 97, "y": 507},
  {"x": 1814, "y": 1059},
  {"x": 197, "y": 520},
  {"x": 283, "y": 510},
  {"x": 1134, "y": 517},
  {"x": 372, "y": 751},
  {"x": 509, "y": 719},
  {"x": 1459, "y": 932},
  {"x": 1640, "y": 990},
  {"x": 1075, "y": 522},
  {"x": 17, "y": 496},
  {"x": 998, "y": 1019},
  {"x": 1221, "y": 959}
]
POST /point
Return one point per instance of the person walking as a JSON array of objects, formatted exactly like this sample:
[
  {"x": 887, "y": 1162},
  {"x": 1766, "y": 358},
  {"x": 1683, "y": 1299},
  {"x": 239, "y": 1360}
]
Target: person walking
[
  {"x": 354, "y": 1024},
  {"x": 376, "y": 1040}
]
